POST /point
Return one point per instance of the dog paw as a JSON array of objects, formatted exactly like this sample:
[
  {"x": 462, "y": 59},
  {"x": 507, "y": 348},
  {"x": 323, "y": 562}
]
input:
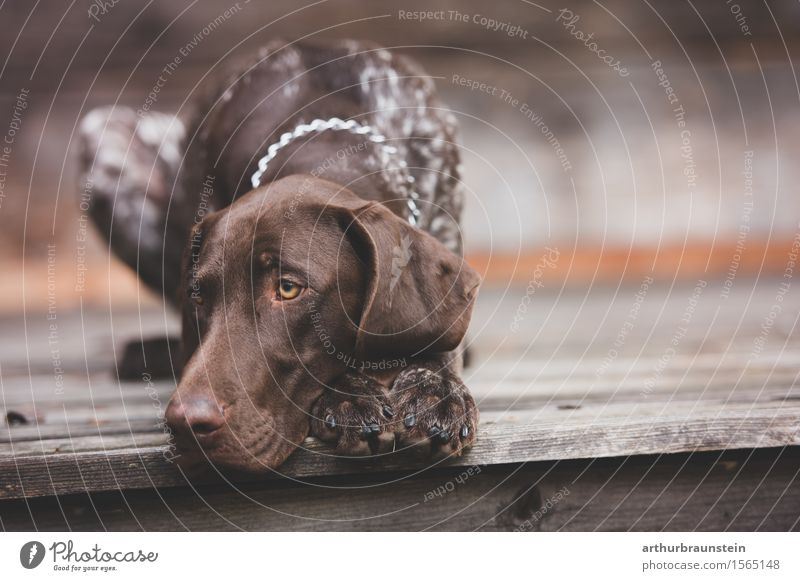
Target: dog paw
[
  {"x": 355, "y": 417},
  {"x": 435, "y": 412}
]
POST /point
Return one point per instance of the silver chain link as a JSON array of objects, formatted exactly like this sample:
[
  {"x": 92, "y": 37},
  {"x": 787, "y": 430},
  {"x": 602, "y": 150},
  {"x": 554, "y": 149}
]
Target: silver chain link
[{"x": 336, "y": 124}]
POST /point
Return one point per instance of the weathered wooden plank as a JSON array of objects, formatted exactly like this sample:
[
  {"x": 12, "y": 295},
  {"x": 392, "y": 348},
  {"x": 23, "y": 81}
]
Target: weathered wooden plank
[
  {"x": 740, "y": 491},
  {"x": 141, "y": 460},
  {"x": 597, "y": 378},
  {"x": 140, "y": 412},
  {"x": 535, "y": 408},
  {"x": 750, "y": 390},
  {"x": 496, "y": 396},
  {"x": 22, "y": 390},
  {"x": 560, "y": 406},
  {"x": 702, "y": 378},
  {"x": 34, "y": 433},
  {"x": 572, "y": 419}
]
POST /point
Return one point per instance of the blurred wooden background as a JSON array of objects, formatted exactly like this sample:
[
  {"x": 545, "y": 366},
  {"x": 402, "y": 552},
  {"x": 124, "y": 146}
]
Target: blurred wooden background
[{"x": 617, "y": 204}]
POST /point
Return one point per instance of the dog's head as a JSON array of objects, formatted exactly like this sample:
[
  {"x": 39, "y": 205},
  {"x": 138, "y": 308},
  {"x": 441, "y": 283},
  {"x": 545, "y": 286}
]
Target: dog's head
[{"x": 287, "y": 289}]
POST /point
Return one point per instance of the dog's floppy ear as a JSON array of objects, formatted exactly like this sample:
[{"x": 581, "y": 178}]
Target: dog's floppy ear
[{"x": 419, "y": 295}]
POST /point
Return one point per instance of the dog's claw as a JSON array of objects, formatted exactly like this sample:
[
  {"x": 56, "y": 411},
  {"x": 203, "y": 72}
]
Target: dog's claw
[
  {"x": 388, "y": 411},
  {"x": 410, "y": 420},
  {"x": 444, "y": 436},
  {"x": 434, "y": 431},
  {"x": 371, "y": 432},
  {"x": 374, "y": 444},
  {"x": 350, "y": 416},
  {"x": 464, "y": 431}
]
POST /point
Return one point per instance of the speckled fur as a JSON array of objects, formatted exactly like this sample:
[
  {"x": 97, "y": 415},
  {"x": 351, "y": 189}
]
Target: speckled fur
[
  {"x": 237, "y": 114},
  {"x": 348, "y": 79}
]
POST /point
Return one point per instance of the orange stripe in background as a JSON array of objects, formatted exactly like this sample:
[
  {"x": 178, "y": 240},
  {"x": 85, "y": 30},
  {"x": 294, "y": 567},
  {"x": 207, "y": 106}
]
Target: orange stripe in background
[
  {"x": 113, "y": 282},
  {"x": 576, "y": 266}
]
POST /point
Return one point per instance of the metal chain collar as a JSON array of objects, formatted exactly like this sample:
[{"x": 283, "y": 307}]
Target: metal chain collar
[{"x": 336, "y": 124}]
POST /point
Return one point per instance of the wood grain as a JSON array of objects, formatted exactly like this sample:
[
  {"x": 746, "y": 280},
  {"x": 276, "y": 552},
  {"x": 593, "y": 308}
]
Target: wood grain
[
  {"x": 739, "y": 491},
  {"x": 706, "y": 442},
  {"x": 546, "y": 393},
  {"x": 71, "y": 465}
]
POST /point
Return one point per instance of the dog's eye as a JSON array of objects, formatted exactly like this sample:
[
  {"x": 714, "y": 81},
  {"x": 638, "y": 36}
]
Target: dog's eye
[{"x": 287, "y": 290}]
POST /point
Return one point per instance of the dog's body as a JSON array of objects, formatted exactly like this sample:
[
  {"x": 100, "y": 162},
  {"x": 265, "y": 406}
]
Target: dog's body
[{"x": 385, "y": 306}]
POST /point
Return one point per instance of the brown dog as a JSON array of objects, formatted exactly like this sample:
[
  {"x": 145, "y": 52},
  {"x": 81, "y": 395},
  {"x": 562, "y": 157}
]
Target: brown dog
[{"x": 310, "y": 304}]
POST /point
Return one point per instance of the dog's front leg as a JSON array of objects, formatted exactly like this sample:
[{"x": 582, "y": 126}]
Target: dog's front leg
[
  {"x": 435, "y": 412},
  {"x": 354, "y": 415},
  {"x": 428, "y": 409}
]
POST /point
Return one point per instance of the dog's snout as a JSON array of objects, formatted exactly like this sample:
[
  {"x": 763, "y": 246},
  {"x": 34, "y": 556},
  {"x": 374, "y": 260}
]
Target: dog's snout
[{"x": 201, "y": 415}]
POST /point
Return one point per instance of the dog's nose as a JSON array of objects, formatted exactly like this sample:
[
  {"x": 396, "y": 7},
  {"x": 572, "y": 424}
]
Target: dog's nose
[{"x": 201, "y": 415}]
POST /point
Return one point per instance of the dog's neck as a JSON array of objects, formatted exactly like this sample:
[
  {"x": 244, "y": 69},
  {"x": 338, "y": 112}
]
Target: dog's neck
[{"x": 360, "y": 149}]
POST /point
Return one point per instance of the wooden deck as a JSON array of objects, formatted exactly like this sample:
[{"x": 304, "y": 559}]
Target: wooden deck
[{"x": 647, "y": 408}]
